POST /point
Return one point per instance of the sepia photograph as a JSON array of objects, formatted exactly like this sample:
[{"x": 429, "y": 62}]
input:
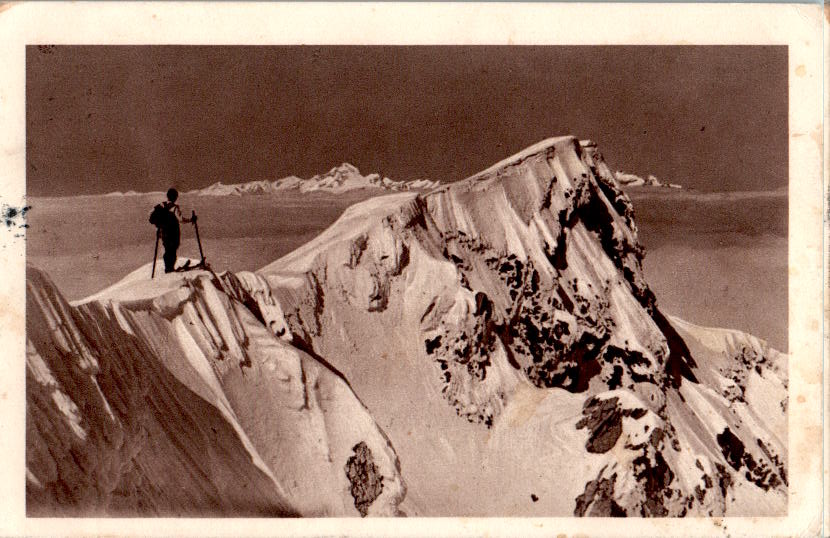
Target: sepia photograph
[
  {"x": 401, "y": 333},
  {"x": 422, "y": 280}
]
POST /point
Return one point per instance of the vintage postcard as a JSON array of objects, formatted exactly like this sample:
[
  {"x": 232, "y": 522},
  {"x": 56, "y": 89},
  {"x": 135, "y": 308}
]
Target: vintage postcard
[{"x": 412, "y": 269}]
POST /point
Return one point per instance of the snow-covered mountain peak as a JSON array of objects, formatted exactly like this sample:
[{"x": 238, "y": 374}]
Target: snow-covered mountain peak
[
  {"x": 344, "y": 170},
  {"x": 527, "y": 274},
  {"x": 500, "y": 335}
]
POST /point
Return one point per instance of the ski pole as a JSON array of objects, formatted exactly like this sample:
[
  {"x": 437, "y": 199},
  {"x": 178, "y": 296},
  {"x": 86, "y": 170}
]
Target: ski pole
[
  {"x": 155, "y": 255},
  {"x": 195, "y": 222}
]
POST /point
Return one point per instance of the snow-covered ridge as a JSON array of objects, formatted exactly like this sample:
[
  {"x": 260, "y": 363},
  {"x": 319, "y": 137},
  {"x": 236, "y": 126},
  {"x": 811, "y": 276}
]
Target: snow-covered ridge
[
  {"x": 633, "y": 180},
  {"x": 187, "y": 398},
  {"x": 343, "y": 178}
]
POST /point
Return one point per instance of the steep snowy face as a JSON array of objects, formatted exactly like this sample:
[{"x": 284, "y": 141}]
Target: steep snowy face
[
  {"x": 504, "y": 320},
  {"x": 545, "y": 266},
  {"x": 177, "y": 398}
]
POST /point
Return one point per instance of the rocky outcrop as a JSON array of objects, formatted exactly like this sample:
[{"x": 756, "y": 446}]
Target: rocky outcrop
[{"x": 366, "y": 482}]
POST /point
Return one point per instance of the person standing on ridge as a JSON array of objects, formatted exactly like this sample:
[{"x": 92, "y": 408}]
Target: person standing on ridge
[{"x": 168, "y": 227}]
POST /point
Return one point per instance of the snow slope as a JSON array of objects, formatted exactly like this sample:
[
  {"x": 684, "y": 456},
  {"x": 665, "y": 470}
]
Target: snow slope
[
  {"x": 174, "y": 398},
  {"x": 498, "y": 331}
]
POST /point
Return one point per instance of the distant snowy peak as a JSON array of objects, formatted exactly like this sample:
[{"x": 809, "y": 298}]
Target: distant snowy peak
[
  {"x": 343, "y": 178},
  {"x": 633, "y": 180},
  {"x": 127, "y": 193}
]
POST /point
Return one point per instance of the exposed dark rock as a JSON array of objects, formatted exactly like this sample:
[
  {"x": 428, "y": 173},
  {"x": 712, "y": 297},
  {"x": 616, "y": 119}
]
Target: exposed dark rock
[
  {"x": 732, "y": 448},
  {"x": 757, "y": 472},
  {"x": 432, "y": 344},
  {"x": 656, "y": 477},
  {"x": 366, "y": 481},
  {"x": 604, "y": 420},
  {"x": 724, "y": 479},
  {"x": 598, "y": 500},
  {"x": 779, "y": 465}
]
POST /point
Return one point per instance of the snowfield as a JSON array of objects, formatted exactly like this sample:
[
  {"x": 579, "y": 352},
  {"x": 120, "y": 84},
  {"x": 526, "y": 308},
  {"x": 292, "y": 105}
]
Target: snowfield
[{"x": 487, "y": 347}]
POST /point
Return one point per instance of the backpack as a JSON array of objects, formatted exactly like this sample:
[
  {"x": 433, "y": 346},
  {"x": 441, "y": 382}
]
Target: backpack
[
  {"x": 158, "y": 216},
  {"x": 161, "y": 217}
]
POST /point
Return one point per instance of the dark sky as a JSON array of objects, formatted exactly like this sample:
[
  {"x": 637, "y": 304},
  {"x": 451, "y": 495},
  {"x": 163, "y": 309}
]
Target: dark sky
[{"x": 101, "y": 119}]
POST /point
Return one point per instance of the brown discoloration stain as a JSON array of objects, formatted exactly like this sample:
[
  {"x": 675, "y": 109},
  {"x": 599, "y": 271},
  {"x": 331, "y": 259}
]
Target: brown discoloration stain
[
  {"x": 6, "y": 5},
  {"x": 801, "y": 70},
  {"x": 525, "y": 402},
  {"x": 814, "y": 325},
  {"x": 11, "y": 319},
  {"x": 801, "y": 398},
  {"x": 453, "y": 487},
  {"x": 809, "y": 437},
  {"x": 817, "y": 134}
]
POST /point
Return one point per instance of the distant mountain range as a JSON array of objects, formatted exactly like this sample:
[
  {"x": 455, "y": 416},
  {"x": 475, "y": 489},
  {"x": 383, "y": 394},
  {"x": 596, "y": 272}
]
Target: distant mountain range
[
  {"x": 633, "y": 180},
  {"x": 345, "y": 177}
]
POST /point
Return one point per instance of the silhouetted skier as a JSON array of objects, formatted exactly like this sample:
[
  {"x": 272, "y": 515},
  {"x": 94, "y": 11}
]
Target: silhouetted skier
[{"x": 166, "y": 216}]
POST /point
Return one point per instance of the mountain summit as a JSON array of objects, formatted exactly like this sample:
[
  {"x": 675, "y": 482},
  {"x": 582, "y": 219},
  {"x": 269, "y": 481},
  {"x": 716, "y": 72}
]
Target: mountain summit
[{"x": 508, "y": 356}]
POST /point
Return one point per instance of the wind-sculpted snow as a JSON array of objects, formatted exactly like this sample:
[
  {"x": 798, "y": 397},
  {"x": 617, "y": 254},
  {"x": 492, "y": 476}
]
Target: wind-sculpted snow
[
  {"x": 508, "y": 295},
  {"x": 186, "y": 402}
]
